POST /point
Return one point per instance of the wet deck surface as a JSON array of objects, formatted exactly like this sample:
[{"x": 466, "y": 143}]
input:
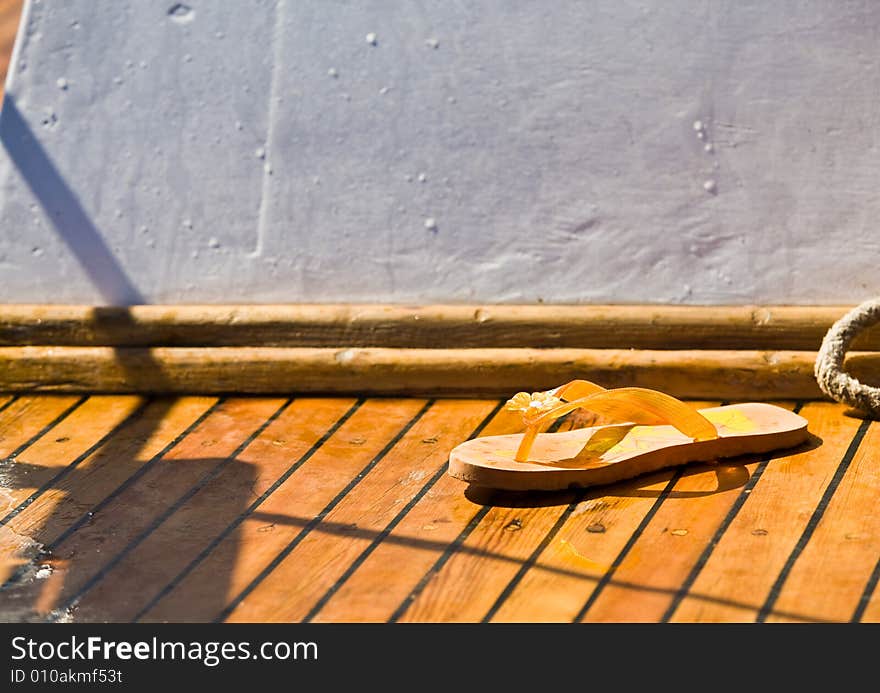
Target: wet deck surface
[{"x": 121, "y": 508}]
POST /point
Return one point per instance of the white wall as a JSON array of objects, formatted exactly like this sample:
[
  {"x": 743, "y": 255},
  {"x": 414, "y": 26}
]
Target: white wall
[{"x": 556, "y": 141}]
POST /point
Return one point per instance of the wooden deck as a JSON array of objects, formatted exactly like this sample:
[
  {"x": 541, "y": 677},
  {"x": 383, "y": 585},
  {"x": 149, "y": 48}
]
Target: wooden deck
[{"x": 126, "y": 508}]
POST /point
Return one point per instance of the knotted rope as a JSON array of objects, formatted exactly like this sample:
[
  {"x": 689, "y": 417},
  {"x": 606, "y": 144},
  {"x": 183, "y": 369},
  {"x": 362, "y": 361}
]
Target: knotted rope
[{"x": 832, "y": 379}]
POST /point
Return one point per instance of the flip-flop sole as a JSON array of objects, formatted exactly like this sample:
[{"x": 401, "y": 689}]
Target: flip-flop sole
[{"x": 606, "y": 454}]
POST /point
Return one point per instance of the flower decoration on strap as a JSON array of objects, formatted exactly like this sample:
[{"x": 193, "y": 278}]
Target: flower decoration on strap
[{"x": 533, "y": 405}]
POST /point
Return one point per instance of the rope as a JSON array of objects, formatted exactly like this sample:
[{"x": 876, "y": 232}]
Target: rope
[{"x": 832, "y": 379}]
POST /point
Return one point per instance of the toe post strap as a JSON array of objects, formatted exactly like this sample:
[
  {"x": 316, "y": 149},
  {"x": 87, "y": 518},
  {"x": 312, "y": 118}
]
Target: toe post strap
[{"x": 626, "y": 404}]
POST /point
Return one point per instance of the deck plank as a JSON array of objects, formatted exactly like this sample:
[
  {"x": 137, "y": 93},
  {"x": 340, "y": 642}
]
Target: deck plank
[
  {"x": 141, "y": 576},
  {"x": 474, "y": 584},
  {"x": 290, "y": 591},
  {"x": 384, "y": 574},
  {"x": 740, "y": 573},
  {"x": 116, "y": 459},
  {"x": 126, "y": 450},
  {"x": 32, "y": 480},
  {"x": 237, "y": 560},
  {"x": 830, "y": 575},
  {"x": 83, "y": 558},
  {"x": 869, "y": 612},
  {"x": 336, "y": 510},
  {"x": 30, "y": 417},
  {"x": 465, "y": 587},
  {"x": 499, "y": 553},
  {"x": 644, "y": 587}
]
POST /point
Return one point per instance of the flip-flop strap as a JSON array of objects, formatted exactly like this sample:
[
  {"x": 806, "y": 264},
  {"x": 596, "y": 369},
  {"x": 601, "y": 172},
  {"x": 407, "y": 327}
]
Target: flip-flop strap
[{"x": 627, "y": 404}]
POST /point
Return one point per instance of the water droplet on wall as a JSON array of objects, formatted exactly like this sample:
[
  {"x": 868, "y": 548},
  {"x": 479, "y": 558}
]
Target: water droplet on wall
[
  {"x": 180, "y": 13},
  {"x": 333, "y": 72},
  {"x": 372, "y": 39},
  {"x": 432, "y": 43},
  {"x": 698, "y": 125},
  {"x": 422, "y": 178},
  {"x": 431, "y": 224},
  {"x": 260, "y": 153},
  {"x": 49, "y": 119},
  {"x": 710, "y": 186},
  {"x": 61, "y": 83},
  {"x": 213, "y": 242}
]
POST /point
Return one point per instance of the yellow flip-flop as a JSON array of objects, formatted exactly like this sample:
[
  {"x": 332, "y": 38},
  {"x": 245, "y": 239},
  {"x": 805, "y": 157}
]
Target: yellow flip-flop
[{"x": 658, "y": 431}]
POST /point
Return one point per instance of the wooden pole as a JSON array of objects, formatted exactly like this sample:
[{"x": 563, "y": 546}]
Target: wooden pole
[
  {"x": 743, "y": 374},
  {"x": 443, "y": 326}
]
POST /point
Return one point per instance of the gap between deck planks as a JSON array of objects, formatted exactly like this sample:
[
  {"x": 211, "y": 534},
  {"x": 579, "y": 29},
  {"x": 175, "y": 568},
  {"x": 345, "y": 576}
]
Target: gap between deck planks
[{"x": 339, "y": 510}]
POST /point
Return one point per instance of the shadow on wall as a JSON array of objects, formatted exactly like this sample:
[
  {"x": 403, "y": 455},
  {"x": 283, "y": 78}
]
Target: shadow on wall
[
  {"x": 63, "y": 209},
  {"x": 74, "y": 226},
  {"x": 58, "y": 200}
]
